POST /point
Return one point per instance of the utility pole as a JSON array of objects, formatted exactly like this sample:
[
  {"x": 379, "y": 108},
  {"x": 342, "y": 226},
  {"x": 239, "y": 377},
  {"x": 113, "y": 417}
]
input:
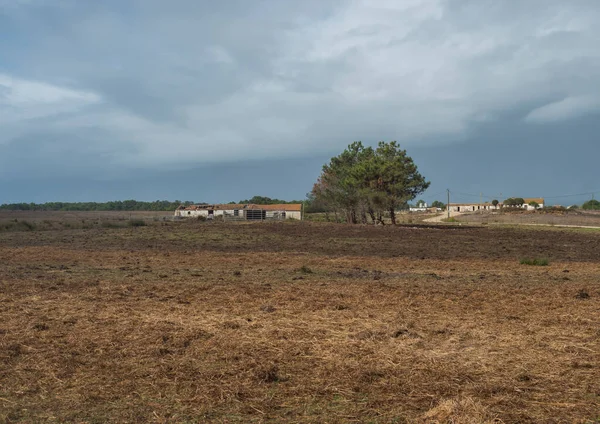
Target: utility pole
[
  {"x": 480, "y": 204},
  {"x": 448, "y": 206}
]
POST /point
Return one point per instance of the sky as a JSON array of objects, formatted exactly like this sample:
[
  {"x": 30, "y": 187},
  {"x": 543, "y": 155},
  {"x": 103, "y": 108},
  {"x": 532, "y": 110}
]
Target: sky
[{"x": 217, "y": 101}]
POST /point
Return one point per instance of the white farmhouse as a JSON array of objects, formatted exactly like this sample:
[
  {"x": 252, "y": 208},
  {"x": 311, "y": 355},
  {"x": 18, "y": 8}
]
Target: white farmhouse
[
  {"x": 533, "y": 203},
  {"x": 241, "y": 211},
  {"x": 530, "y": 204},
  {"x": 472, "y": 207}
]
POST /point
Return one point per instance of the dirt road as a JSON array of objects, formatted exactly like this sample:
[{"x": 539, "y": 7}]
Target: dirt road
[{"x": 442, "y": 216}]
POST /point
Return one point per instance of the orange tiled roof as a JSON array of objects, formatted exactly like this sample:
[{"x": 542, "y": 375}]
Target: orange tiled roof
[
  {"x": 538, "y": 200},
  {"x": 472, "y": 204},
  {"x": 285, "y": 207}
]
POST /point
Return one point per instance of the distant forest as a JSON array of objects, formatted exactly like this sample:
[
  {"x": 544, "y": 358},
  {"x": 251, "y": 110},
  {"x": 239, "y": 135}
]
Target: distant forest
[
  {"x": 262, "y": 200},
  {"x": 126, "y": 205},
  {"x": 120, "y": 205}
]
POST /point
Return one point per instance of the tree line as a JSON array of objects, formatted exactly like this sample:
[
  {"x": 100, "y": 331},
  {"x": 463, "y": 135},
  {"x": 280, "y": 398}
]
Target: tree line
[
  {"x": 118, "y": 205},
  {"x": 365, "y": 183},
  {"x": 263, "y": 200},
  {"x": 591, "y": 205}
]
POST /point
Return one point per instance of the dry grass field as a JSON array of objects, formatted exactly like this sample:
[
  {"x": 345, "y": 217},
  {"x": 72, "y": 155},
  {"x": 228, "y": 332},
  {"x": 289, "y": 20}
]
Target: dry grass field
[
  {"x": 298, "y": 322},
  {"x": 575, "y": 217}
]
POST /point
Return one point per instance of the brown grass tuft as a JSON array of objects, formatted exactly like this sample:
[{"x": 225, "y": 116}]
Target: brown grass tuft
[{"x": 465, "y": 410}]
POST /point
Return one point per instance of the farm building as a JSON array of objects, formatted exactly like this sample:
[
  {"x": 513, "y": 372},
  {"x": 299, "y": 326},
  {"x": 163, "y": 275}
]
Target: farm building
[
  {"x": 534, "y": 200},
  {"x": 420, "y": 207},
  {"x": 242, "y": 212},
  {"x": 472, "y": 207},
  {"x": 487, "y": 206}
]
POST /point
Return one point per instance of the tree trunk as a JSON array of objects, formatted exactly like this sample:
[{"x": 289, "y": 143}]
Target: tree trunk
[
  {"x": 363, "y": 215},
  {"x": 380, "y": 218},
  {"x": 393, "y": 215},
  {"x": 373, "y": 217}
]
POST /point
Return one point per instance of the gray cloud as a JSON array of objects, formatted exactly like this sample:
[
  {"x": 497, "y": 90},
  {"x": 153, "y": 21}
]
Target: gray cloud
[{"x": 162, "y": 85}]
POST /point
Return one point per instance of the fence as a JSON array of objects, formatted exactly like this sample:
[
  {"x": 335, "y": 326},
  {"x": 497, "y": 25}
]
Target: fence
[{"x": 253, "y": 215}]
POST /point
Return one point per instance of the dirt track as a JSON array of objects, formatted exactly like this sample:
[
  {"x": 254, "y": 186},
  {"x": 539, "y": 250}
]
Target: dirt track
[{"x": 441, "y": 216}]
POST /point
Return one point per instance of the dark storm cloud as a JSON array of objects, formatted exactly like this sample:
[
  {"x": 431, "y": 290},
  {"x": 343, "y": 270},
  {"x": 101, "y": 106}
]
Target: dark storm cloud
[{"x": 125, "y": 86}]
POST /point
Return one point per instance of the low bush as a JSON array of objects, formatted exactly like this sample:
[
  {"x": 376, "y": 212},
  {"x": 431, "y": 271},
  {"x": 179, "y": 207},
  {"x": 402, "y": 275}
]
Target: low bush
[
  {"x": 137, "y": 223},
  {"x": 305, "y": 270},
  {"x": 17, "y": 225},
  {"x": 534, "y": 261},
  {"x": 109, "y": 224}
]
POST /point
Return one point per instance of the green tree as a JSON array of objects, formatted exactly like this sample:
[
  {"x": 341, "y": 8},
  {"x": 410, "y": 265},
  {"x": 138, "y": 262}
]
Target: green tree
[
  {"x": 128, "y": 205},
  {"x": 438, "y": 204},
  {"x": 264, "y": 200},
  {"x": 514, "y": 202},
  {"x": 363, "y": 180},
  {"x": 591, "y": 205},
  {"x": 495, "y": 203},
  {"x": 534, "y": 204},
  {"x": 342, "y": 182}
]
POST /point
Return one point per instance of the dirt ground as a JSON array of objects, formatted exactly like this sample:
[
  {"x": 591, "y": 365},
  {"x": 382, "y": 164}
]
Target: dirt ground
[
  {"x": 81, "y": 216},
  {"x": 299, "y": 322},
  {"x": 579, "y": 218}
]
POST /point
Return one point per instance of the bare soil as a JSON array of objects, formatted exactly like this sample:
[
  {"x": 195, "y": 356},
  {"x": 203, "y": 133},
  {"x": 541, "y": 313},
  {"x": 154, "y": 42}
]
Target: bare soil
[
  {"x": 78, "y": 216},
  {"x": 299, "y": 322},
  {"x": 576, "y": 218}
]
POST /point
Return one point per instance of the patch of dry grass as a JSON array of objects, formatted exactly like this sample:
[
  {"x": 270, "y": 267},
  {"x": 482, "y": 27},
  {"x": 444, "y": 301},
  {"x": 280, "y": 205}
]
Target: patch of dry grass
[{"x": 124, "y": 325}]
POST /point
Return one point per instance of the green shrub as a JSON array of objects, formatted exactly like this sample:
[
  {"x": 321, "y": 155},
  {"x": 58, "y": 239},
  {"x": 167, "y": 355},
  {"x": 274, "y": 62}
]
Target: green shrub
[
  {"x": 109, "y": 224},
  {"x": 534, "y": 261},
  {"x": 30, "y": 226},
  {"x": 305, "y": 270},
  {"x": 137, "y": 223},
  {"x": 16, "y": 225}
]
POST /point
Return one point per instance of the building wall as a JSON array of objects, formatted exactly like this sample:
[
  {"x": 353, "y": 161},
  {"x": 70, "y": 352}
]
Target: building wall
[
  {"x": 472, "y": 208},
  {"x": 204, "y": 212},
  {"x": 191, "y": 214},
  {"x": 293, "y": 214},
  {"x": 476, "y": 207}
]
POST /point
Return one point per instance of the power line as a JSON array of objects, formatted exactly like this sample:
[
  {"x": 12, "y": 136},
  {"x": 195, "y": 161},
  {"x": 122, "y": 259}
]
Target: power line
[
  {"x": 432, "y": 196},
  {"x": 572, "y": 195}
]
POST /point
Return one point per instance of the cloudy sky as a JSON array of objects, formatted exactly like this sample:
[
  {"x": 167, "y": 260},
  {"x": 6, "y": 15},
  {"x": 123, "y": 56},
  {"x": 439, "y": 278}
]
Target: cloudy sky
[{"x": 221, "y": 100}]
